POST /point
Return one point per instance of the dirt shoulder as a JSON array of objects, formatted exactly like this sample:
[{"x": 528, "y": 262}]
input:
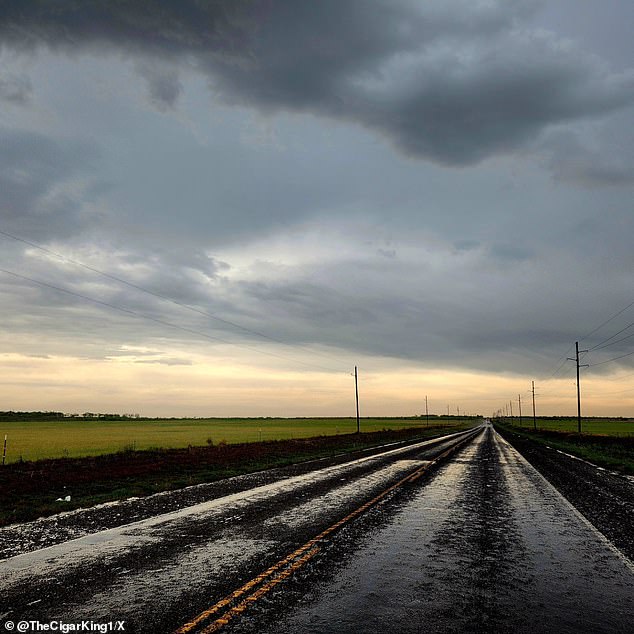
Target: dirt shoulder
[{"x": 604, "y": 497}]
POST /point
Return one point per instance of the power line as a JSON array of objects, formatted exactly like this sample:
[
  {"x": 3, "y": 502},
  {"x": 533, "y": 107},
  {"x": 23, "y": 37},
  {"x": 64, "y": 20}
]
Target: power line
[
  {"x": 607, "y": 321},
  {"x": 160, "y": 321},
  {"x": 592, "y": 365},
  {"x": 562, "y": 360},
  {"x": 614, "y": 342},
  {"x": 561, "y": 365},
  {"x": 600, "y": 344},
  {"x": 155, "y": 294},
  {"x": 563, "y": 371}
]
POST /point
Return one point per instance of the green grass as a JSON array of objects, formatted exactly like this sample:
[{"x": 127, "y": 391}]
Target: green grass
[
  {"x": 594, "y": 426},
  {"x": 610, "y": 446},
  {"x": 72, "y": 438},
  {"x": 30, "y": 489}
]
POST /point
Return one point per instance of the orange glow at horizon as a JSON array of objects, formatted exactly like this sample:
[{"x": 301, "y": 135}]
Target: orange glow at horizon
[{"x": 208, "y": 387}]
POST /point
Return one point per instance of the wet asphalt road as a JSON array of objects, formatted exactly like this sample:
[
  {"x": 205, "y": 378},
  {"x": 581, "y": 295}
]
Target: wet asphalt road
[
  {"x": 487, "y": 546},
  {"x": 484, "y": 544},
  {"x": 156, "y": 573}
]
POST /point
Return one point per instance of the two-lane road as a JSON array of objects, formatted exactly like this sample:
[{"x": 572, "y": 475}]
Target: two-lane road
[
  {"x": 158, "y": 572},
  {"x": 483, "y": 543},
  {"x": 487, "y": 546}
]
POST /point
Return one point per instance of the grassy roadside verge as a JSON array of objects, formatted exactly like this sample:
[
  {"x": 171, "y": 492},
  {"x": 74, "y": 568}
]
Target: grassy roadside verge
[
  {"x": 32, "y": 436},
  {"x": 612, "y": 452},
  {"x": 29, "y": 489}
]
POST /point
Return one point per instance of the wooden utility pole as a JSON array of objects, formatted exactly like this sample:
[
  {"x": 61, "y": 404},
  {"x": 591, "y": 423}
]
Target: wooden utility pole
[
  {"x": 576, "y": 359},
  {"x": 426, "y": 411},
  {"x": 578, "y": 388},
  {"x": 356, "y": 393},
  {"x": 519, "y": 402},
  {"x": 511, "y": 406},
  {"x": 534, "y": 419}
]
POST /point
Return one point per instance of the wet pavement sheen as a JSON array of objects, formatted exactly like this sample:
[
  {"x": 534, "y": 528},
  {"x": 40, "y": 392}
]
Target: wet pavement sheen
[
  {"x": 484, "y": 544},
  {"x": 158, "y": 572},
  {"x": 487, "y": 546}
]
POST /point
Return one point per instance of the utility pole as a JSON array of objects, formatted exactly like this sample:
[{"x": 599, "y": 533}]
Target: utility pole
[
  {"x": 426, "y": 411},
  {"x": 534, "y": 419},
  {"x": 511, "y": 406},
  {"x": 576, "y": 359},
  {"x": 447, "y": 411},
  {"x": 356, "y": 393},
  {"x": 519, "y": 402}
]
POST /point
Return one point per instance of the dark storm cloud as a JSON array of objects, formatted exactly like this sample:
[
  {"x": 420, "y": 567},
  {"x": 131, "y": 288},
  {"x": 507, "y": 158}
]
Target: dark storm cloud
[
  {"x": 489, "y": 268},
  {"x": 42, "y": 186},
  {"x": 453, "y": 82}
]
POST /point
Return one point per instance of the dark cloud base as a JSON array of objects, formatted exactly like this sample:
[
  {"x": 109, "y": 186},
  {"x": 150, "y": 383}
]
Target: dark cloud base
[{"x": 453, "y": 82}]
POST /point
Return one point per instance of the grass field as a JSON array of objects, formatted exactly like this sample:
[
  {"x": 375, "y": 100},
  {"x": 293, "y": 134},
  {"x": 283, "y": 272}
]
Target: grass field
[
  {"x": 605, "y": 442},
  {"x": 599, "y": 426},
  {"x": 31, "y": 489},
  {"x": 35, "y": 440}
]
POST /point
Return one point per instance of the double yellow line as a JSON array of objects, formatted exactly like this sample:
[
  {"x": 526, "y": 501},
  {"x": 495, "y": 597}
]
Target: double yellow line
[{"x": 234, "y": 604}]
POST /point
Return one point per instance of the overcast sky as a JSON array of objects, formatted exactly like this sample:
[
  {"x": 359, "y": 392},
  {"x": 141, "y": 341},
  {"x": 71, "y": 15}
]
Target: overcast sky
[{"x": 219, "y": 208}]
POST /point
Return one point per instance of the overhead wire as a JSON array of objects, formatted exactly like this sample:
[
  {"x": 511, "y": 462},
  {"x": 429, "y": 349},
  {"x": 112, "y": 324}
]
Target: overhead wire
[
  {"x": 160, "y": 321},
  {"x": 561, "y": 362},
  {"x": 592, "y": 365},
  {"x": 614, "y": 342},
  {"x": 158, "y": 295},
  {"x": 607, "y": 321},
  {"x": 616, "y": 334}
]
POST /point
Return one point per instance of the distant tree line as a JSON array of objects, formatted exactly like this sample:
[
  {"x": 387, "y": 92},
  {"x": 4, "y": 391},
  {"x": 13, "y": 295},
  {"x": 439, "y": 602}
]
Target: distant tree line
[{"x": 31, "y": 416}]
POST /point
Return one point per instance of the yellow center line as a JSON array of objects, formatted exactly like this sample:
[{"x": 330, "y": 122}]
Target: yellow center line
[
  {"x": 241, "y": 607},
  {"x": 304, "y": 552}
]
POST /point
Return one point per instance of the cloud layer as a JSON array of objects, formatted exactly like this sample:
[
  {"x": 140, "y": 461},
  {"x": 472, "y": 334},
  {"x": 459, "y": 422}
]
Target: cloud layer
[
  {"x": 453, "y": 82},
  {"x": 442, "y": 184}
]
